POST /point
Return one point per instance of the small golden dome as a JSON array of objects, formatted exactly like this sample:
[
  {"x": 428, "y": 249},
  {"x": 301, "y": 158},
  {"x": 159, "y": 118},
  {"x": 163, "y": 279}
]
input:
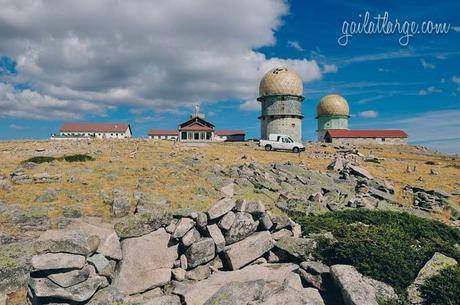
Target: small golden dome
[
  {"x": 281, "y": 81},
  {"x": 332, "y": 104}
]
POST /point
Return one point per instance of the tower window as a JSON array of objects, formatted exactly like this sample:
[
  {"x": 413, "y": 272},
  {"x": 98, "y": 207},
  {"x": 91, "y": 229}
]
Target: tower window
[{"x": 293, "y": 124}]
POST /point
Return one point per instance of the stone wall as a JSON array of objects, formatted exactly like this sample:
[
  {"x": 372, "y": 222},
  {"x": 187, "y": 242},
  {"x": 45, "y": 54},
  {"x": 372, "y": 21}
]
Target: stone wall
[{"x": 291, "y": 126}]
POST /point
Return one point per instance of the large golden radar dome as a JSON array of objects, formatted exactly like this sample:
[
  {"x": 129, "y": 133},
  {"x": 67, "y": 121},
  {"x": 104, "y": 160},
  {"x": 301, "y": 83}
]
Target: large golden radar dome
[
  {"x": 281, "y": 81},
  {"x": 332, "y": 104}
]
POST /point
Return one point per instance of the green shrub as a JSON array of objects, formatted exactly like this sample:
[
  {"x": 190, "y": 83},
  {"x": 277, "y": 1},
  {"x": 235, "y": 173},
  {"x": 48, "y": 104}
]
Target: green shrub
[
  {"x": 40, "y": 159},
  {"x": 388, "y": 246},
  {"x": 78, "y": 158},
  {"x": 443, "y": 289},
  {"x": 69, "y": 158}
]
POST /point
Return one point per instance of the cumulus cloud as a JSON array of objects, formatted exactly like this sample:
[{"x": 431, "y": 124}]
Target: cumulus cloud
[
  {"x": 456, "y": 79},
  {"x": 427, "y": 65},
  {"x": 368, "y": 114},
  {"x": 296, "y": 45},
  {"x": 89, "y": 56}
]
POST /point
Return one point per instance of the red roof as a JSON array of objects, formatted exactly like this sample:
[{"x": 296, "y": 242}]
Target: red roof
[
  {"x": 94, "y": 127},
  {"x": 229, "y": 132},
  {"x": 162, "y": 132},
  {"x": 345, "y": 133},
  {"x": 196, "y": 127}
]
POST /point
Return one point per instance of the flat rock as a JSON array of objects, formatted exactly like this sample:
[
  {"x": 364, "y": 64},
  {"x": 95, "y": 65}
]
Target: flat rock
[
  {"x": 291, "y": 296},
  {"x": 199, "y": 273},
  {"x": 220, "y": 208},
  {"x": 299, "y": 248},
  {"x": 70, "y": 278},
  {"x": 247, "y": 250},
  {"x": 190, "y": 237},
  {"x": 359, "y": 171},
  {"x": 237, "y": 293},
  {"x": 182, "y": 227},
  {"x": 147, "y": 262},
  {"x": 197, "y": 293},
  {"x": 243, "y": 226},
  {"x": 200, "y": 252},
  {"x": 227, "y": 220},
  {"x": 43, "y": 287},
  {"x": 281, "y": 233},
  {"x": 101, "y": 264},
  {"x": 52, "y": 261},
  {"x": 141, "y": 224},
  {"x": 357, "y": 289},
  {"x": 228, "y": 190},
  {"x": 163, "y": 300},
  {"x": 217, "y": 236}
]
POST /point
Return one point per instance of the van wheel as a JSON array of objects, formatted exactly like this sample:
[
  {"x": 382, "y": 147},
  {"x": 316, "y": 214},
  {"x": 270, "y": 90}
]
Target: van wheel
[
  {"x": 296, "y": 150},
  {"x": 268, "y": 147}
]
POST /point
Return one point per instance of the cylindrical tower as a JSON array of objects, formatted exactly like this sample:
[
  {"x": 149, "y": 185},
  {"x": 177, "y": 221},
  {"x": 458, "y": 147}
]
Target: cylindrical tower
[
  {"x": 281, "y": 99},
  {"x": 332, "y": 112}
]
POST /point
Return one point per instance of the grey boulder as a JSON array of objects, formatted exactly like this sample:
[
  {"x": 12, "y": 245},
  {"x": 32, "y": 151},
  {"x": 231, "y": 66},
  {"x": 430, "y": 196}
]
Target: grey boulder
[
  {"x": 200, "y": 252},
  {"x": 357, "y": 289},
  {"x": 147, "y": 262},
  {"x": 220, "y": 208},
  {"x": 243, "y": 226},
  {"x": 247, "y": 250},
  {"x": 52, "y": 261}
]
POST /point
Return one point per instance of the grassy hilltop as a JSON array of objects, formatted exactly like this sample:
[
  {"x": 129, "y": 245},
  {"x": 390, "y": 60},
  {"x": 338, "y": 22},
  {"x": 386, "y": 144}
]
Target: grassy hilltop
[{"x": 183, "y": 175}]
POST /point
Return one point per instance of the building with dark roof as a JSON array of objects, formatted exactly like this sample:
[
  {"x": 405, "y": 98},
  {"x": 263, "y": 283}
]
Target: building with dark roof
[
  {"x": 333, "y": 113},
  {"x": 197, "y": 129}
]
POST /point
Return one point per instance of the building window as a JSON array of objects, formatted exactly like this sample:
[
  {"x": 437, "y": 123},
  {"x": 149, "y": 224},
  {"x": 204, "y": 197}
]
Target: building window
[
  {"x": 183, "y": 135},
  {"x": 293, "y": 124},
  {"x": 383, "y": 139},
  {"x": 196, "y": 135}
]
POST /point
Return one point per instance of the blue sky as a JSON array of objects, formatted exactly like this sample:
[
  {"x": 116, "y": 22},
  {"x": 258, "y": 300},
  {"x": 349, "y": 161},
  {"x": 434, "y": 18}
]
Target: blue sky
[{"x": 149, "y": 67}]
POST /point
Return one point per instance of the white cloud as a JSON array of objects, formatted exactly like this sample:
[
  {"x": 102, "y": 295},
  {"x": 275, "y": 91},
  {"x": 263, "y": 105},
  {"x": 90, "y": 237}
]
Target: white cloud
[
  {"x": 456, "y": 79},
  {"x": 427, "y": 65},
  {"x": 429, "y": 90},
  {"x": 369, "y": 114},
  {"x": 89, "y": 56},
  {"x": 17, "y": 127},
  {"x": 33, "y": 105},
  {"x": 440, "y": 128},
  {"x": 329, "y": 68},
  {"x": 370, "y": 99},
  {"x": 456, "y": 28},
  {"x": 251, "y": 105},
  {"x": 296, "y": 45},
  {"x": 383, "y": 70},
  {"x": 381, "y": 56}
]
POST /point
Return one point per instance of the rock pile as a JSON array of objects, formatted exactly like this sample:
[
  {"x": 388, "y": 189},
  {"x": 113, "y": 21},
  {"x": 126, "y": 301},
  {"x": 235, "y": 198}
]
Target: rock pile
[{"x": 235, "y": 253}]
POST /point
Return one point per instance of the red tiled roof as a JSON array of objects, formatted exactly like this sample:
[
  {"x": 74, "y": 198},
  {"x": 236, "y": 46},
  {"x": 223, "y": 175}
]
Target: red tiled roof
[
  {"x": 229, "y": 132},
  {"x": 344, "y": 133},
  {"x": 196, "y": 127},
  {"x": 94, "y": 127},
  {"x": 162, "y": 132}
]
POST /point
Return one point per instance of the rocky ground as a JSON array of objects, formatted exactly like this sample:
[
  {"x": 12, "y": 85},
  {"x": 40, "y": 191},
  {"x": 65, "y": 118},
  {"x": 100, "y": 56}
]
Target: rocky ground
[{"x": 165, "y": 223}]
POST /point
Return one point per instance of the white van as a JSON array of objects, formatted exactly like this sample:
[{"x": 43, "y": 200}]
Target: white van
[{"x": 281, "y": 142}]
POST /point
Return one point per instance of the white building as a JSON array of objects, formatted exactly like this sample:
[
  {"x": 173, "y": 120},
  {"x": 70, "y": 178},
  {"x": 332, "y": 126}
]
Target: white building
[
  {"x": 163, "y": 134},
  {"x": 93, "y": 131}
]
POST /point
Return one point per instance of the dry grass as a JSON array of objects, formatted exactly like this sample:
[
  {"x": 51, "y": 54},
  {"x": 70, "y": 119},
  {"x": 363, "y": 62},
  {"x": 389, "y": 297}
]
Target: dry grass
[{"x": 123, "y": 163}]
